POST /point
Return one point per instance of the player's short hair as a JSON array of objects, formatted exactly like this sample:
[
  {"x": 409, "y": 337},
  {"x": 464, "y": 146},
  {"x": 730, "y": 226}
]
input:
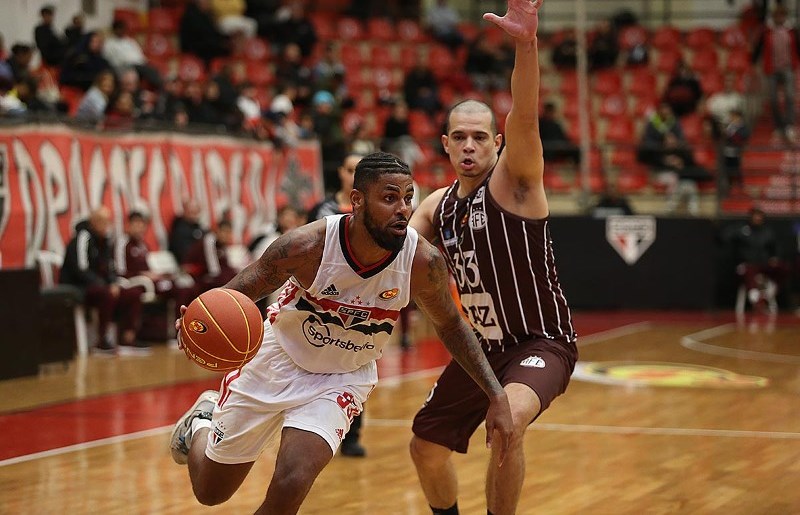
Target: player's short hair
[
  {"x": 136, "y": 215},
  {"x": 376, "y": 164},
  {"x": 470, "y": 105}
]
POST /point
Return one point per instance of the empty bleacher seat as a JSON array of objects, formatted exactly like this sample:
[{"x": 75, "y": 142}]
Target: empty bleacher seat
[
  {"x": 666, "y": 38},
  {"x": 701, "y": 38}
]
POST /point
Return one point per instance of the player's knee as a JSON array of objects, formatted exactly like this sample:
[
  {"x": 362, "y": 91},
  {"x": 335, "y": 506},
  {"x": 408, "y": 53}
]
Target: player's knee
[
  {"x": 425, "y": 453},
  {"x": 210, "y": 494},
  {"x": 289, "y": 482}
]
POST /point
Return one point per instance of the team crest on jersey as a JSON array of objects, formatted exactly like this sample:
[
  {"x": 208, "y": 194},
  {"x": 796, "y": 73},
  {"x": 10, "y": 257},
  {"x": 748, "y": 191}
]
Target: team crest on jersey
[
  {"x": 533, "y": 362},
  {"x": 219, "y": 433},
  {"x": 479, "y": 195},
  {"x": 389, "y": 294},
  {"x": 352, "y": 316},
  {"x": 477, "y": 220},
  {"x": 631, "y": 236}
]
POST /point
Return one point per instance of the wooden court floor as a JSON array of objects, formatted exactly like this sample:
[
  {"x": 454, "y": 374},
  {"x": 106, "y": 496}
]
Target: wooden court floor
[{"x": 667, "y": 413}]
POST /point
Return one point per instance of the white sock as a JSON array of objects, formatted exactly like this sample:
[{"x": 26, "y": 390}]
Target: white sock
[{"x": 197, "y": 424}]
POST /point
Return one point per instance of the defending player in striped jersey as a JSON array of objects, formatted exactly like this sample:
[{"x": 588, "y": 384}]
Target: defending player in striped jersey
[
  {"x": 349, "y": 276},
  {"x": 492, "y": 226}
]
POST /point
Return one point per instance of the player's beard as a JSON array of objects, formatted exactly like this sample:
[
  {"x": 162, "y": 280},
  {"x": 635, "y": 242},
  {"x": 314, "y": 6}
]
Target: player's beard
[{"x": 382, "y": 236}]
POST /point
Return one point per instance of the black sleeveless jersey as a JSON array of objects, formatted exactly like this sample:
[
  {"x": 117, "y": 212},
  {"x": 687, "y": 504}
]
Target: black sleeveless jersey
[{"x": 504, "y": 268}]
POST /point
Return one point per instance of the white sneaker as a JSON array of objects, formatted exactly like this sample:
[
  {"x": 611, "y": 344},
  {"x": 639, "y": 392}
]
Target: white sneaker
[{"x": 182, "y": 435}]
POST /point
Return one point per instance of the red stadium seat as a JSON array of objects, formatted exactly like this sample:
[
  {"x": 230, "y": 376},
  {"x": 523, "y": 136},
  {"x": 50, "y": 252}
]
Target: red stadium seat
[
  {"x": 666, "y": 38},
  {"x": 733, "y": 38},
  {"x": 738, "y": 61},
  {"x": 408, "y": 57},
  {"x": 645, "y": 105},
  {"x": 705, "y": 60},
  {"x": 163, "y": 21},
  {"x": 382, "y": 55},
  {"x": 705, "y": 156},
  {"x": 349, "y": 29},
  {"x": 711, "y": 82},
  {"x": 667, "y": 61},
  {"x": 260, "y": 74},
  {"x": 255, "y": 49},
  {"x": 410, "y": 31},
  {"x": 159, "y": 46},
  {"x": 632, "y": 36},
  {"x": 692, "y": 126},
  {"x": 554, "y": 181},
  {"x": 700, "y": 38},
  {"x": 421, "y": 126},
  {"x": 607, "y": 82},
  {"x": 468, "y": 30},
  {"x": 441, "y": 61},
  {"x": 633, "y": 179},
  {"x": 569, "y": 84},
  {"x": 381, "y": 29},
  {"x": 351, "y": 120},
  {"x": 324, "y": 24},
  {"x": 623, "y": 158},
  {"x": 642, "y": 82},
  {"x": 190, "y": 68},
  {"x": 351, "y": 55},
  {"x": 385, "y": 78},
  {"x": 132, "y": 19},
  {"x": 614, "y": 105},
  {"x": 620, "y": 130}
]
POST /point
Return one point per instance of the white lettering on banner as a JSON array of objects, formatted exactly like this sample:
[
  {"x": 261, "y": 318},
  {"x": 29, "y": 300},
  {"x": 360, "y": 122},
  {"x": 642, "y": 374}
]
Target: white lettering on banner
[
  {"x": 630, "y": 236},
  {"x": 51, "y": 177}
]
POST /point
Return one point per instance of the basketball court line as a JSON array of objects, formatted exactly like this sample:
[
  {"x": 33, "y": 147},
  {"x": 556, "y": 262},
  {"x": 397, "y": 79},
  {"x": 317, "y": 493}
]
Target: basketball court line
[
  {"x": 617, "y": 332},
  {"x": 693, "y": 342}
]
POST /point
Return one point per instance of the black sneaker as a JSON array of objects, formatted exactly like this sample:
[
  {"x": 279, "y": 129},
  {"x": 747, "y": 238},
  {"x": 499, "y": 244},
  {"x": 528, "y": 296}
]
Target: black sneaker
[
  {"x": 353, "y": 449},
  {"x": 105, "y": 347}
]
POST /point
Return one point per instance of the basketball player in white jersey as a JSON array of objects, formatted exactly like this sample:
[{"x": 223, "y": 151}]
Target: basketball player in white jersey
[{"x": 349, "y": 276}]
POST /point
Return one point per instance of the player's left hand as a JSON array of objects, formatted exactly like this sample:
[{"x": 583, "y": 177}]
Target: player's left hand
[
  {"x": 521, "y": 20},
  {"x": 499, "y": 421}
]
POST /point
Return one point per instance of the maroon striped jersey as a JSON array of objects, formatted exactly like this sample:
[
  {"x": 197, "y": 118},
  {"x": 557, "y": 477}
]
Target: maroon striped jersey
[{"x": 505, "y": 271}]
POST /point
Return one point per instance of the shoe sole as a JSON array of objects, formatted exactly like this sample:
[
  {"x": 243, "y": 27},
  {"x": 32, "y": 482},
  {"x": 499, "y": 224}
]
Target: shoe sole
[{"x": 179, "y": 457}]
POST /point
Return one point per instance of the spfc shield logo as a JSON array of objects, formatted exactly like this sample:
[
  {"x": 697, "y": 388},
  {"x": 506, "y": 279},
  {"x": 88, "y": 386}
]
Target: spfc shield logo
[
  {"x": 631, "y": 236},
  {"x": 352, "y": 316}
]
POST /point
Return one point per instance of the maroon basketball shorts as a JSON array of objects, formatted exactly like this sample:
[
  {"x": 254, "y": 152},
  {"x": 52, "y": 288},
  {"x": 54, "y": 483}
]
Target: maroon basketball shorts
[{"x": 456, "y": 406}]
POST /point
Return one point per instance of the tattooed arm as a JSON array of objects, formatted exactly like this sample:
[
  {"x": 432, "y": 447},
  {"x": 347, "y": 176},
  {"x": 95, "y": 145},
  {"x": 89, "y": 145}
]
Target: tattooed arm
[
  {"x": 430, "y": 287},
  {"x": 296, "y": 253}
]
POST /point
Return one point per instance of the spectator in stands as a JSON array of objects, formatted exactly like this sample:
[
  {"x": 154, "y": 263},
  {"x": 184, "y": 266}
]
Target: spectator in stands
[
  {"x": 263, "y": 11},
  {"x": 52, "y": 46},
  {"x": 123, "y": 51},
  {"x": 89, "y": 265},
  {"x": 74, "y": 32},
  {"x": 228, "y": 90},
  {"x": 611, "y": 203},
  {"x": 565, "y": 52},
  {"x": 442, "y": 21},
  {"x": 121, "y": 112},
  {"x": 93, "y": 105},
  {"x": 758, "y": 258},
  {"x": 185, "y": 230},
  {"x": 198, "y": 110},
  {"x": 328, "y": 70},
  {"x": 358, "y": 140},
  {"x": 421, "y": 90},
  {"x": 26, "y": 92},
  {"x": 81, "y": 67},
  {"x": 664, "y": 148},
  {"x": 20, "y": 61},
  {"x": 290, "y": 69},
  {"x": 683, "y": 91},
  {"x": 328, "y": 127},
  {"x": 293, "y": 26},
  {"x": 143, "y": 100},
  {"x": 603, "y": 48},
  {"x": 207, "y": 260},
  {"x": 484, "y": 65},
  {"x": 720, "y": 104},
  {"x": 247, "y": 103},
  {"x": 198, "y": 32},
  {"x": 288, "y": 217},
  {"x": 556, "y": 144},
  {"x": 338, "y": 202},
  {"x": 736, "y": 133},
  {"x": 780, "y": 45},
  {"x": 231, "y": 19},
  {"x": 397, "y": 137},
  {"x": 169, "y": 105}
]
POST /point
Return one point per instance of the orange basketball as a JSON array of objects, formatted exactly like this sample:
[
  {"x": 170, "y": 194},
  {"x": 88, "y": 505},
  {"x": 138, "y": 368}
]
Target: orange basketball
[{"x": 221, "y": 330}]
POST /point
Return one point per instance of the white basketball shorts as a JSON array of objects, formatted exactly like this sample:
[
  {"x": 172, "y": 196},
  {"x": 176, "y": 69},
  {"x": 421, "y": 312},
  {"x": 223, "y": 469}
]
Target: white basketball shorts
[{"x": 271, "y": 392}]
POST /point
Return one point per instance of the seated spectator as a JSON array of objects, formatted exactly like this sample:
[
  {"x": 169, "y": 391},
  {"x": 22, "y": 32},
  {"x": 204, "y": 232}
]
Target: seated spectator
[
  {"x": 120, "y": 114},
  {"x": 185, "y": 230},
  {"x": 288, "y": 218},
  {"x": 484, "y": 65},
  {"x": 93, "y": 105},
  {"x": 263, "y": 11},
  {"x": 683, "y": 91},
  {"x": 20, "y": 62},
  {"x": 198, "y": 110},
  {"x": 290, "y": 69},
  {"x": 603, "y": 49},
  {"x": 74, "y": 32},
  {"x": 81, "y": 67},
  {"x": 720, "y": 104},
  {"x": 611, "y": 203},
  {"x": 421, "y": 90},
  {"x": 664, "y": 148},
  {"x": 293, "y": 26},
  {"x": 52, "y": 46},
  {"x": 442, "y": 21},
  {"x": 89, "y": 265},
  {"x": 555, "y": 142},
  {"x": 123, "y": 51},
  {"x": 249, "y": 106},
  {"x": 328, "y": 69},
  {"x": 207, "y": 259},
  {"x": 169, "y": 103},
  {"x": 231, "y": 19},
  {"x": 397, "y": 138},
  {"x": 328, "y": 128},
  {"x": 565, "y": 52},
  {"x": 198, "y": 32}
]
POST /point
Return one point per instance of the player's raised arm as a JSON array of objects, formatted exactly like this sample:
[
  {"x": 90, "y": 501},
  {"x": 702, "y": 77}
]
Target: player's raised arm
[
  {"x": 429, "y": 283},
  {"x": 422, "y": 219},
  {"x": 523, "y": 151},
  {"x": 296, "y": 253}
]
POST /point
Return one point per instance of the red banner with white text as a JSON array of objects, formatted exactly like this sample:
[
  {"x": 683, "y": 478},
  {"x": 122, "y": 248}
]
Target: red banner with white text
[{"x": 52, "y": 176}]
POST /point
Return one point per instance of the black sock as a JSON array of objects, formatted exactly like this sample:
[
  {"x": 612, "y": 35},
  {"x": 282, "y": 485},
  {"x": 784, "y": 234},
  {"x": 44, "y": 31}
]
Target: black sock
[{"x": 452, "y": 510}]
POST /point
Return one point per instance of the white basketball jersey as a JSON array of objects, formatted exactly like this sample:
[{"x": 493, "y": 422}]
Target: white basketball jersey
[{"x": 344, "y": 319}]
